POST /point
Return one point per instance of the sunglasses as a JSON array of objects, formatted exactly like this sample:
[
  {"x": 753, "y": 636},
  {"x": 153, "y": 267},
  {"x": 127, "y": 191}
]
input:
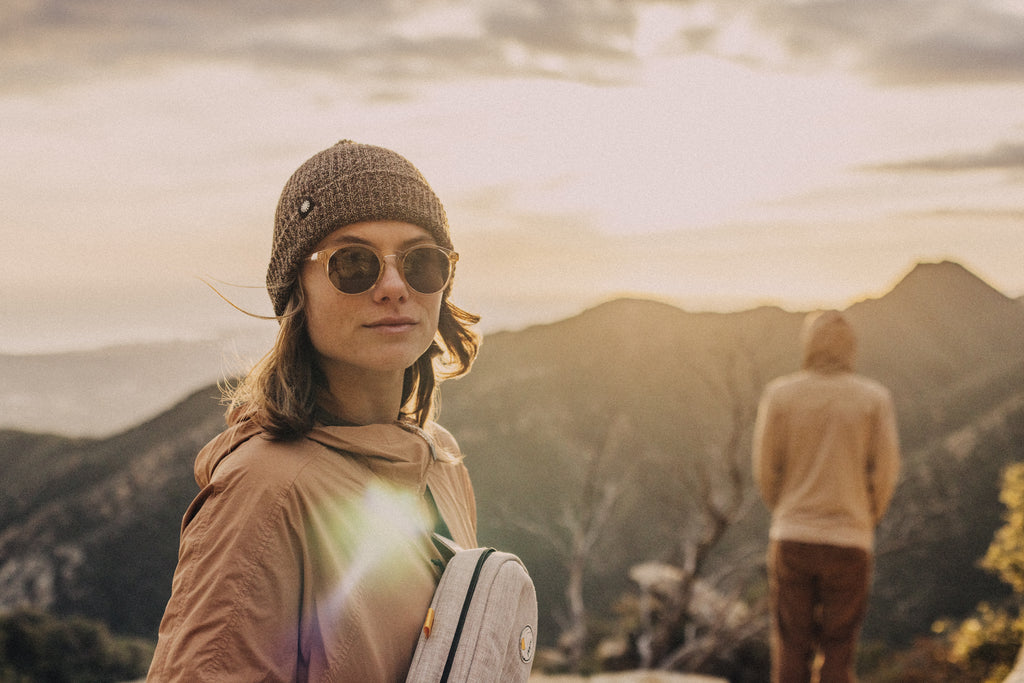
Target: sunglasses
[{"x": 357, "y": 268}]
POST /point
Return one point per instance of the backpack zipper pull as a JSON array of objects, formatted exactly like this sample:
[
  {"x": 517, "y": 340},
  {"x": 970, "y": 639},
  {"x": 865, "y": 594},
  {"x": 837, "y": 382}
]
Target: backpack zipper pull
[{"x": 428, "y": 623}]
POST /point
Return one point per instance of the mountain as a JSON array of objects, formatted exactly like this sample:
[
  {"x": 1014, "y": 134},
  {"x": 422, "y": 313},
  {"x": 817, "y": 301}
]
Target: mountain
[
  {"x": 945, "y": 342},
  {"x": 100, "y": 392},
  {"x": 940, "y": 330},
  {"x": 89, "y": 526},
  {"x": 633, "y": 393}
]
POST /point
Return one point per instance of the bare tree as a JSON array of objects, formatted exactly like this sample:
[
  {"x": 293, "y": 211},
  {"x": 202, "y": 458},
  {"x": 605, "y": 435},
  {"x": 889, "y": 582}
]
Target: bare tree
[
  {"x": 672, "y": 601},
  {"x": 582, "y": 524},
  {"x": 667, "y": 605}
]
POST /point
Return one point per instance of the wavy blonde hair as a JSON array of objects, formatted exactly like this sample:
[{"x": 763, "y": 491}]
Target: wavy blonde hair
[{"x": 281, "y": 392}]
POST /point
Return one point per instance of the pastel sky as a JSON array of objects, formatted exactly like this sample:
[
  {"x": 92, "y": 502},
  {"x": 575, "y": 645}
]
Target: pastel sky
[{"x": 717, "y": 154}]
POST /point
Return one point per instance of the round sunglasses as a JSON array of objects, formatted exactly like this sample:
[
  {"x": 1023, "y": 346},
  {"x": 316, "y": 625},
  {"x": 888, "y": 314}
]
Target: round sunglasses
[{"x": 357, "y": 268}]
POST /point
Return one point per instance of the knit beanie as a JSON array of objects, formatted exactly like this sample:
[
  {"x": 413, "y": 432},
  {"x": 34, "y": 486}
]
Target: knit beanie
[{"x": 344, "y": 184}]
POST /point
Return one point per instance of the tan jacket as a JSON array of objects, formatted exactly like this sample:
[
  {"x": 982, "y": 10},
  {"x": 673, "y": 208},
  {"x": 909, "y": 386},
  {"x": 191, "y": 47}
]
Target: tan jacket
[
  {"x": 826, "y": 452},
  {"x": 310, "y": 560}
]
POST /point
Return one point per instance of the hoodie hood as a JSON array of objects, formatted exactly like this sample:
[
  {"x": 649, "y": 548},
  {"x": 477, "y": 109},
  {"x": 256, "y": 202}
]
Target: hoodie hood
[
  {"x": 829, "y": 342},
  {"x": 402, "y": 453}
]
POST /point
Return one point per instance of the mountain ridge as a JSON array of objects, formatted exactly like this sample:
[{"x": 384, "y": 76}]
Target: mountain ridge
[
  {"x": 59, "y": 393},
  {"x": 100, "y": 393},
  {"x": 644, "y": 385}
]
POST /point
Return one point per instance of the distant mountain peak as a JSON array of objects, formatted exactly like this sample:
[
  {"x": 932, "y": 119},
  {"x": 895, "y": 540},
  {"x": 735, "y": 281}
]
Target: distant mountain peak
[
  {"x": 946, "y": 281},
  {"x": 944, "y": 269}
]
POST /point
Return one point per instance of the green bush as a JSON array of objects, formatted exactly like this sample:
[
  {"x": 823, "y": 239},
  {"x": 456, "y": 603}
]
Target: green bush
[
  {"x": 38, "y": 648},
  {"x": 988, "y": 642},
  {"x": 1005, "y": 555},
  {"x": 983, "y": 647}
]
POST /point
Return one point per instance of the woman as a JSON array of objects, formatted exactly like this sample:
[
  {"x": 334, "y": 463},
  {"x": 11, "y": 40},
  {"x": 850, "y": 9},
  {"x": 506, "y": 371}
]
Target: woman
[{"x": 306, "y": 554}]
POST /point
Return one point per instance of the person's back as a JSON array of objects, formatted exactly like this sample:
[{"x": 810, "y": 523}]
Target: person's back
[
  {"x": 822, "y": 475},
  {"x": 826, "y": 459}
]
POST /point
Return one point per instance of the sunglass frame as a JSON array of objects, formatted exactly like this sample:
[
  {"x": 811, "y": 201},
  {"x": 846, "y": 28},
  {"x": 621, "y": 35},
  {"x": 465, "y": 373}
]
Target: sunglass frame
[{"x": 324, "y": 256}]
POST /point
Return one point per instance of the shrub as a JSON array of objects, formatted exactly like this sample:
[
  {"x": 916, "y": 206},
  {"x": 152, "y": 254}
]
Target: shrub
[{"x": 38, "y": 647}]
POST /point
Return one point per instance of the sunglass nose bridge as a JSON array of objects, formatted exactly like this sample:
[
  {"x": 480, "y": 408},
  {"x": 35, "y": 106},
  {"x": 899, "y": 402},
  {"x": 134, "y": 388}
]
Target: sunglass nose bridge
[{"x": 397, "y": 269}]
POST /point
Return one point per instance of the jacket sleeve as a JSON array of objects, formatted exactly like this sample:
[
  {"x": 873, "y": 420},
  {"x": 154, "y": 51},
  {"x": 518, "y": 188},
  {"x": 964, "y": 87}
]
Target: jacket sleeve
[
  {"x": 767, "y": 460},
  {"x": 233, "y": 613},
  {"x": 885, "y": 457}
]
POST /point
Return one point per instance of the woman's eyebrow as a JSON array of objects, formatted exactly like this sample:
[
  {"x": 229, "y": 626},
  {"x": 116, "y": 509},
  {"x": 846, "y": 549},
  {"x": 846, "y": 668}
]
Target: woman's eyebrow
[
  {"x": 417, "y": 241},
  {"x": 347, "y": 239},
  {"x": 342, "y": 240}
]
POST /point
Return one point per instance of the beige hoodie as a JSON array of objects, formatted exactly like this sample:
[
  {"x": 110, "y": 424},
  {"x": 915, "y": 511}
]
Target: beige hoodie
[
  {"x": 309, "y": 560},
  {"x": 826, "y": 452}
]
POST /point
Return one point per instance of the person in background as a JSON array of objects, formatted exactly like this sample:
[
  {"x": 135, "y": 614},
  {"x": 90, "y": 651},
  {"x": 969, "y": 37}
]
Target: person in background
[
  {"x": 826, "y": 460},
  {"x": 306, "y": 555}
]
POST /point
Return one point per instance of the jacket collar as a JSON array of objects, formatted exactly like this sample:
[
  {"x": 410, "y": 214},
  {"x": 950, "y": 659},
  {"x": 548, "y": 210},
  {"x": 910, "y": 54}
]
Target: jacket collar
[{"x": 400, "y": 452}]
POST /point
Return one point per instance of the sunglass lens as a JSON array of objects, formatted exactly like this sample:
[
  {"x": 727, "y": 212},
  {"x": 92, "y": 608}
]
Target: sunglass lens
[
  {"x": 427, "y": 269},
  {"x": 354, "y": 270}
]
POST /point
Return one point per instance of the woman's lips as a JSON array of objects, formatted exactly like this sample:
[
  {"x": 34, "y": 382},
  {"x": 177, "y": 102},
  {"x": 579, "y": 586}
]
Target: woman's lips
[{"x": 396, "y": 324}]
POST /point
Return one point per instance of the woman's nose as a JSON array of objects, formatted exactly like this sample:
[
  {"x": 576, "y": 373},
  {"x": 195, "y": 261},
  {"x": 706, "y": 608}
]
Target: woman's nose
[{"x": 391, "y": 283}]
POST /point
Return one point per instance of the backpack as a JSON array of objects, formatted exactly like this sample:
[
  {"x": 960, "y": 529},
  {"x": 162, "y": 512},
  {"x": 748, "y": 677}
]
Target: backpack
[{"x": 482, "y": 621}]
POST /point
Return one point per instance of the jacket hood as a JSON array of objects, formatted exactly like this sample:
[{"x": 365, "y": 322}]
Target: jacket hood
[
  {"x": 829, "y": 342},
  {"x": 402, "y": 451}
]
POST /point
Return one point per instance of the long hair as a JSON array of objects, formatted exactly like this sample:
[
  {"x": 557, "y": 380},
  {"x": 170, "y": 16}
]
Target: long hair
[{"x": 280, "y": 393}]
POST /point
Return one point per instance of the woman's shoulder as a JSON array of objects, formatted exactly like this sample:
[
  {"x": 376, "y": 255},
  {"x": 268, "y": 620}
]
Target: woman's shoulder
[
  {"x": 267, "y": 455},
  {"x": 262, "y": 462}
]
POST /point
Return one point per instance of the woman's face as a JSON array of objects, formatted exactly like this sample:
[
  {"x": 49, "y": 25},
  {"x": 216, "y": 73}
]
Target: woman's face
[{"x": 382, "y": 330}]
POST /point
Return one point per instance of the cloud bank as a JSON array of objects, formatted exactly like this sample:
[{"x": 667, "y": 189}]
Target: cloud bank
[{"x": 47, "y": 43}]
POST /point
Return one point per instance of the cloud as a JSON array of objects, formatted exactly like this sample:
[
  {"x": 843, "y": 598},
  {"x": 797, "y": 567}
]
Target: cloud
[
  {"x": 50, "y": 42},
  {"x": 889, "y": 42},
  {"x": 46, "y": 43},
  {"x": 1006, "y": 156},
  {"x": 601, "y": 29},
  {"x": 903, "y": 42}
]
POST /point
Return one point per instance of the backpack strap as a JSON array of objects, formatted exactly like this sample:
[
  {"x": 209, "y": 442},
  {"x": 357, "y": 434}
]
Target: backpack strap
[{"x": 462, "y": 615}]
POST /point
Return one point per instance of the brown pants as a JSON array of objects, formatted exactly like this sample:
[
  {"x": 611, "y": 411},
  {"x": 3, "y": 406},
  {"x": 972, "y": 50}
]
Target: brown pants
[{"x": 819, "y": 595}]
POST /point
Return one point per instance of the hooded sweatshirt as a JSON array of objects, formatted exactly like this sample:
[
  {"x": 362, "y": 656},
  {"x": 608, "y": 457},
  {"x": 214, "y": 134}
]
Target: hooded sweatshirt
[
  {"x": 310, "y": 560},
  {"x": 826, "y": 452}
]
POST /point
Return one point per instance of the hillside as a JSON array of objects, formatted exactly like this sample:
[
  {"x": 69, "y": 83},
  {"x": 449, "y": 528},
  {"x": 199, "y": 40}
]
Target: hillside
[
  {"x": 541, "y": 400},
  {"x": 937, "y": 334},
  {"x": 90, "y": 525},
  {"x": 101, "y": 392}
]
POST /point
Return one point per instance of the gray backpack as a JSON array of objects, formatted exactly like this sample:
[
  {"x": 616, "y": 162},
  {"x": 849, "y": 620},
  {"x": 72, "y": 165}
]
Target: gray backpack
[{"x": 482, "y": 623}]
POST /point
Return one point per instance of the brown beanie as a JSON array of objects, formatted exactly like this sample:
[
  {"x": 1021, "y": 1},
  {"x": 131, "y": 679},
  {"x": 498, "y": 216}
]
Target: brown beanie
[{"x": 346, "y": 184}]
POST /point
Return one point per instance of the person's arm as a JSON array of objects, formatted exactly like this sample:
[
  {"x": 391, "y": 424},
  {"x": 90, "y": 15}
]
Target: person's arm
[
  {"x": 233, "y": 611},
  {"x": 766, "y": 455},
  {"x": 885, "y": 458}
]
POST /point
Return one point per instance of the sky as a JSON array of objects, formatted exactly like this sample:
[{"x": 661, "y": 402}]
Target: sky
[{"x": 716, "y": 154}]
